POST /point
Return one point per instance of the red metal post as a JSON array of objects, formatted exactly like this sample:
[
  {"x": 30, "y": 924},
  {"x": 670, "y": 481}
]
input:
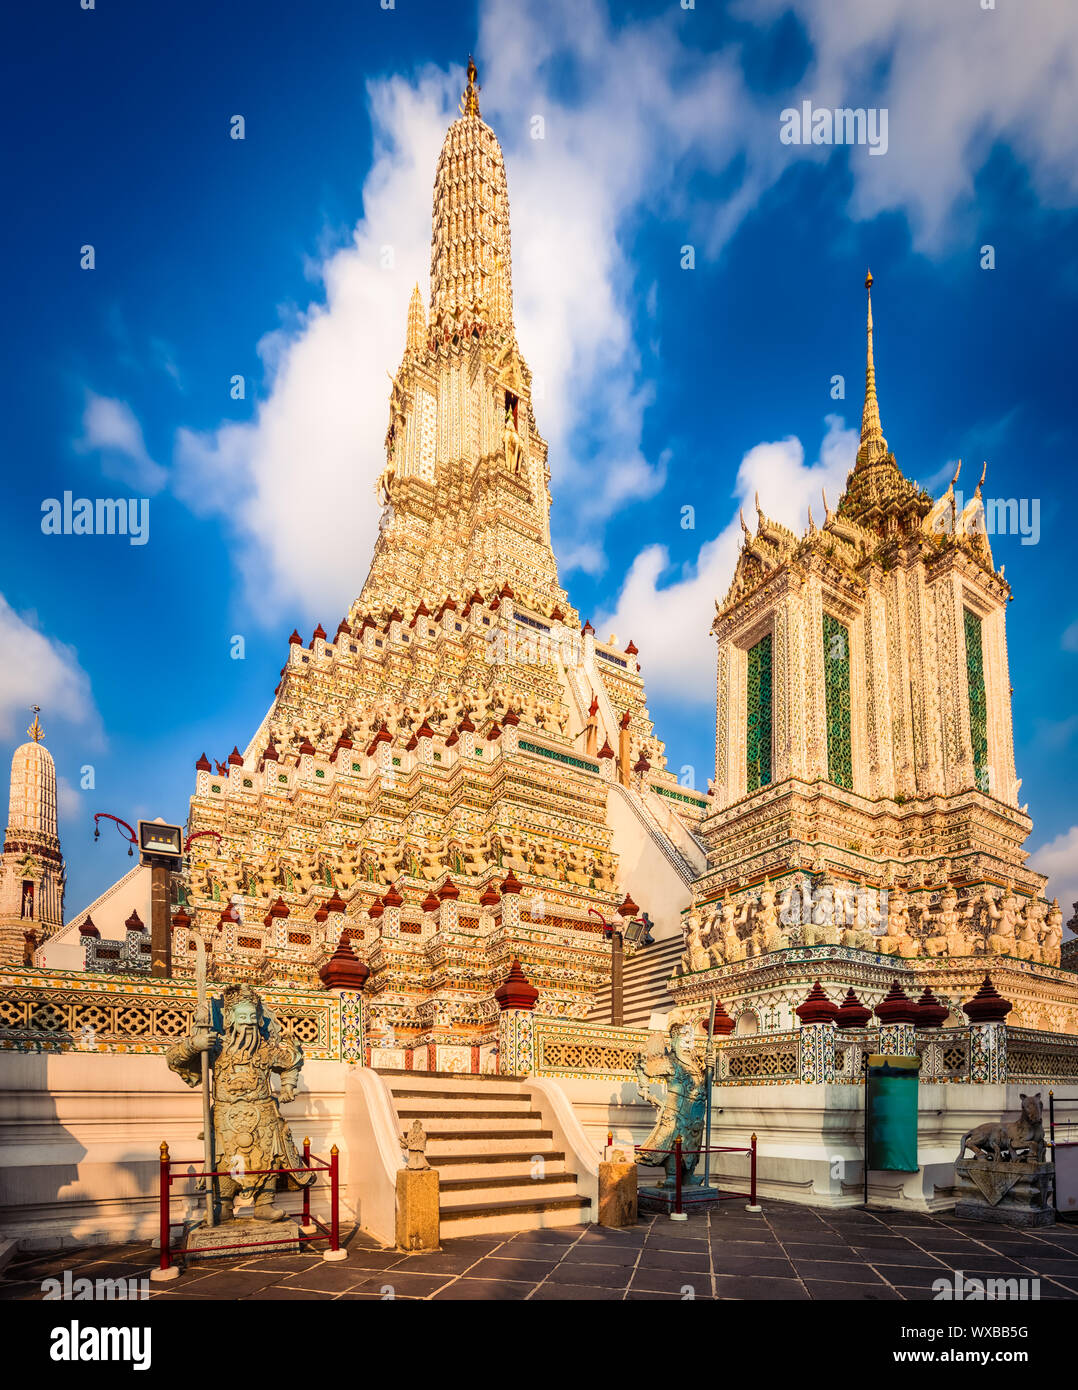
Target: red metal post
[
  {"x": 752, "y": 1173},
  {"x": 307, "y": 1186},
  {"x": 677, "y": 1175},
  {"x": 334, "y": 1193},
  {"x": 165, "y": 1180}
]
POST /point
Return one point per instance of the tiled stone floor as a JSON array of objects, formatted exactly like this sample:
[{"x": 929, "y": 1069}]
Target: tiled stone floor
[{"x": 786, "y": 1253}]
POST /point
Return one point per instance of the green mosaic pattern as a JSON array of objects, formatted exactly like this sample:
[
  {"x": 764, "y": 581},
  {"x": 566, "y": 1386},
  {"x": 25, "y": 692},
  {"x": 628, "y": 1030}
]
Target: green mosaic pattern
[
  {"x": 526, "y": 746},
  {"x": 692, "y": 798},
  {"x": 978, "y": 702},
  {"x": 758, "y": 722},
  {"x": 836, "y": 681}
]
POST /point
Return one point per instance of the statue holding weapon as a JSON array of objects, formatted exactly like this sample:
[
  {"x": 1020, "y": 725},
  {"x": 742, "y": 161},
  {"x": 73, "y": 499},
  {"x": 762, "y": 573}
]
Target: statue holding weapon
[{"x": 247, "y": 1134}]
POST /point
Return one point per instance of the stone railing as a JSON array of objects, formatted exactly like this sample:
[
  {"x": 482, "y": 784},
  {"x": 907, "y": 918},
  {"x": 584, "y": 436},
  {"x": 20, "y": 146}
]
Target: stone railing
[
  {"x": 74, "y": 1010},
  {"x": 1041, "y": 1058},
  {"x": 586, "y": 1050},
  {"x": 769, "y": 1059},
  {"x": 944, "y": 1054}
]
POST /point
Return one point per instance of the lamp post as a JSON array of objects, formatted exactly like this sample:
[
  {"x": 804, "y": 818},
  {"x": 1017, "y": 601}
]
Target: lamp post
[
  {"x": 161, "y": 849},
  {"x": 617, "y": 959}
]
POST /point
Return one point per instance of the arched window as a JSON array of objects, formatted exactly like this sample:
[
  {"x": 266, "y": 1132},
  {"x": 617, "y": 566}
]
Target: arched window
[{"x": 748, "y": 1023}]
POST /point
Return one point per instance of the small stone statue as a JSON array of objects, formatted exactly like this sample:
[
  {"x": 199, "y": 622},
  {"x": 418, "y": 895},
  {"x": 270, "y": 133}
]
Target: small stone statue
[
  {"x": 415, "y": 1142},
  {"x": 248, "y": 1132},
  {"x": 1009, "y": 1177},
  {"x": 1021, "y": 1141}
]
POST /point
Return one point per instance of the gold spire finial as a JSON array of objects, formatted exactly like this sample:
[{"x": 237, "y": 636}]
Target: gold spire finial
[
  {"x": 873, "y": 445},
  {"x": 469, "y": 100},
  {"x": 35, "y": 731}
]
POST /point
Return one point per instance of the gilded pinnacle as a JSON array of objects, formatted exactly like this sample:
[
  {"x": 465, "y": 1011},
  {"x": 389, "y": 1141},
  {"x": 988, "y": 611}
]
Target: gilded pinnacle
[
  {"x": 469, "y": 99},
  {"x": 35, "y": 731},
  {"x": 873, "y": 445}
]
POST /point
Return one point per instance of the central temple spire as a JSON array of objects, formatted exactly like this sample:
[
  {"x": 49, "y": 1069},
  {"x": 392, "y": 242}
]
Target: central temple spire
[
  {"x": 873, "y": 445},
  {"x": 470, "y": 264}
]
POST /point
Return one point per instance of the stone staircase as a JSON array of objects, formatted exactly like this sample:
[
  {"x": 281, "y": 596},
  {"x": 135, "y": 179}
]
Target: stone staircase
[
  {"x": 498, "y": 1168},
  {"x": 644, "y": 989}
]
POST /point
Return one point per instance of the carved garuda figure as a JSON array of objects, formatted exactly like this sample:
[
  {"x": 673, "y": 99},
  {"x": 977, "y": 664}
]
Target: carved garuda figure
[
  {"x": 683, "y": 1068},
  {"x": 248, "y": 1132}
]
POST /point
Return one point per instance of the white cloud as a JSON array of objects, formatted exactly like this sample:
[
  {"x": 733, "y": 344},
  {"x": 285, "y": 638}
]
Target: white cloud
[
  {"x": 1059, "y": 860},
  {"x": 670, "y": 622},
  {"x": 110, "y": 429},
  {"x": 38, "y": 670},
  {"x": 956, "y": 80},
  {"x": 1069, "y": 640},
  {"x": 631, "y": 114},
  {"x": 297, "y": 483}
]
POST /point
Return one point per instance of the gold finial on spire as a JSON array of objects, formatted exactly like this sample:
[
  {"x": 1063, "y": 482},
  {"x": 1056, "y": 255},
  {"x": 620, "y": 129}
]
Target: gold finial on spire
[
  {"x": 469, "y": 100},
  {"x": 35, "y": 731},
  {"x": 873, "y": 445}
]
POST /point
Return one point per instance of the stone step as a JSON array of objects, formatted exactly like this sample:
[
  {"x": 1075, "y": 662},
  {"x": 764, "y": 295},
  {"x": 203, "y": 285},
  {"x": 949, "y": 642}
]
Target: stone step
[
  {"x": 451, "y": 1081},
  {"x": 465, "y": 1122},
  {"x": 468, "y": 1191},
  {"x": 494, "y": 1218},
  {"x": 433, "y": 1103},
  {"x": 495, "y": 1167},
  {"x": 488, "y": 1141}
]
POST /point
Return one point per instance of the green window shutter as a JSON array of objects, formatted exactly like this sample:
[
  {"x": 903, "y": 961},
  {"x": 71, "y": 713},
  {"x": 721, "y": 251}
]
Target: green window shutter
[
  {"x": 978, "y": 701},
  {"x": 836, "y": 678},
  {"x": 758, "y": 717}
]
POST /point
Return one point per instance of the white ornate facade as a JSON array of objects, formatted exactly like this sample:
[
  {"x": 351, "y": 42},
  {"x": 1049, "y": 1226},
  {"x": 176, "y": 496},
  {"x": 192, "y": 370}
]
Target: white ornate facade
[{"x": 865, "y": 792}]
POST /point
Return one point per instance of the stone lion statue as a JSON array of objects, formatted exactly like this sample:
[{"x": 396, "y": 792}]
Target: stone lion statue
[{"x": 1021, "y": 1141}]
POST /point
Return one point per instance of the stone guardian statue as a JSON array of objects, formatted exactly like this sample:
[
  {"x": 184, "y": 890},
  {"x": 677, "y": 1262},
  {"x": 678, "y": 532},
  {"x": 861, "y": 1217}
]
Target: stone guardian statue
[
  {"x": 676, "y": 1061},
  {"x": 248, "y": 1131}
]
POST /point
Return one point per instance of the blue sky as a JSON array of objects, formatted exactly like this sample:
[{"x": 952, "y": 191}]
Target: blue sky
[{"x": 662, "y": 387}]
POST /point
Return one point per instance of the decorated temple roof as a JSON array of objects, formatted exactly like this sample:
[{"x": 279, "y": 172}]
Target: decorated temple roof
[{"x": 879, "y": 513}]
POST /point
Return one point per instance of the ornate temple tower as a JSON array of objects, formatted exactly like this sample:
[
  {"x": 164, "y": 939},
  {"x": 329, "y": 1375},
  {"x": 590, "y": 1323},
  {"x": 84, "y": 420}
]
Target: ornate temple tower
[
  {"x": 31, "y": 867},
  {"x": 462, "y": 774},
  {"x": 466, "y": 477},
  {"x": 864, "y": 748}
]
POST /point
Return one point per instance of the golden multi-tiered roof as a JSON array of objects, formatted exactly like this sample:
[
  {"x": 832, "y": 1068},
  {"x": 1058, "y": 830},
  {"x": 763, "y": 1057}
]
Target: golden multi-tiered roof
[{"x": 436, "y": 773}]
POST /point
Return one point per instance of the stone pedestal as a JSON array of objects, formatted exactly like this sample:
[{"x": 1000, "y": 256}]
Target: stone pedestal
[
  {"x": 1015, "y": 1194},
  {"x": 617, "y": 1194},
  {"x": 417, "y": 1209},
  {"x": 206, "y": 1241},
  {"x": 661, "y": 1199}
]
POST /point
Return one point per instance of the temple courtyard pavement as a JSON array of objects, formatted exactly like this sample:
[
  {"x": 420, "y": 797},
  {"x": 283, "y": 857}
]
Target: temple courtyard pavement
[{"x": 787, "y": 1252}]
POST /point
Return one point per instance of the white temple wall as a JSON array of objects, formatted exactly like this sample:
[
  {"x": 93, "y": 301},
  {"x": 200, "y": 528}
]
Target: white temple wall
[
  {"x": 80, "y": 1140},
  {"x": 810, "y": 1138}
]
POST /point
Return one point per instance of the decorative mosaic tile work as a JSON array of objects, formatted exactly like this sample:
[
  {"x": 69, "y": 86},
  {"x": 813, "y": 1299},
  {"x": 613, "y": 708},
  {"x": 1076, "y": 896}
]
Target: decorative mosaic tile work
[
  {"x": 351, "y": 1014},
  {"x": 515, "y": 1043},
  {"x": 770, "y": 1060},
  {"x": 988, "y": 1053},
  {"x": 63, "y": 1011},
  {"x": 1035, "y": 1057},
  {"x": 816, "y": 1053},
  {"x": 758, "y": 716},
  {"x": 978, "y": 703},
  {"x": 583, "y": 1050},
  {"x": 836, "y": 667},
  {"x": 898, "y": 1040}
]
